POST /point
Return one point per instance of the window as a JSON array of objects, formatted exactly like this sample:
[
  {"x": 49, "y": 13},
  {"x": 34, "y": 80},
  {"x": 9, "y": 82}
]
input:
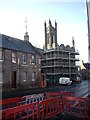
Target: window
[
  {"x": 1, "y": 55},
  {"x": 24, "y": 76},
  {"x": 1, "y": 77},
  {"x": 24, "y": 59},
  {"x": 33, "y": 60},
  {"x": 13, "y": 57},
  {"x": 39, "y": 60},
  {"x": 33, "y": 76}
]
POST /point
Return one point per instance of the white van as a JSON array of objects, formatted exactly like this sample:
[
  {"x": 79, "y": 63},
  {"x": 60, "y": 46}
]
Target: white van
[{"x": 65, "y": 81}]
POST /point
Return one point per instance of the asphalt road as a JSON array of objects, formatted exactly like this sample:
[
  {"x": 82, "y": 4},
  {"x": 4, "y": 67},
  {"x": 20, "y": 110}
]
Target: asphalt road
[{"x": 81, "y": 90}]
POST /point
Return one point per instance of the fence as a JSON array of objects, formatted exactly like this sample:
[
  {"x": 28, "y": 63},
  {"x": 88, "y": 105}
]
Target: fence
[
  {"x": 46, "y": 106},
  {"x": 8, "y": 103},
  {"x": 35, "y": 111},
  {"x": 76, "y": 106},
  {"x": 55, "y": 94}
]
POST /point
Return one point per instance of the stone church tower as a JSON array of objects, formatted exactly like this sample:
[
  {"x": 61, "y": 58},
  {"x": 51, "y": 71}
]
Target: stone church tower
[{"x": 50, "y": 35}]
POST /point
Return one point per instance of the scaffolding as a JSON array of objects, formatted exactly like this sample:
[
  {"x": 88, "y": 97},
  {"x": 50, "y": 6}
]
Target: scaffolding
[{"x": 56, "y": 63}]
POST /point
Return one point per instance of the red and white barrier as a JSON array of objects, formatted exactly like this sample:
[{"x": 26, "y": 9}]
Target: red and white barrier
[
  {"x": 28, "y": 99},
  {"x": 37, "y": 107}
]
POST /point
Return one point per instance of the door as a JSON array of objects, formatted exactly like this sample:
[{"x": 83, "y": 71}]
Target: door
[{"x": 13, "y": 77}]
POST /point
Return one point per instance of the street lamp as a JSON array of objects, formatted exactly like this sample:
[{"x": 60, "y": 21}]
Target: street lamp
[{"x": 69, "y": 66}]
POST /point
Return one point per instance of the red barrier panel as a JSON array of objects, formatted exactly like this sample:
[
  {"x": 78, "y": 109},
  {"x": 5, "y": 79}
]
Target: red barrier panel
[
  {"x": 35, "y": 111},
  {"x": 27, "y": 111},
  {"x": 58, "y": 103},
  {"x": 55, "y": 94},
  {"x": 8, "y": 103},
  {"x": 49, "y": 108},
  {"x": 79, "y": 107}
]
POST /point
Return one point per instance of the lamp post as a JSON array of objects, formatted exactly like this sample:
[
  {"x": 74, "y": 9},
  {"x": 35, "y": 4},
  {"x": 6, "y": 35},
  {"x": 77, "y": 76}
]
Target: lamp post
[{"x": 69, "y": 66}]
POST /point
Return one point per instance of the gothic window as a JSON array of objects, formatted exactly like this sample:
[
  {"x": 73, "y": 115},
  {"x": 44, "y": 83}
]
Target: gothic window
[{"x": 48, "y": 38}]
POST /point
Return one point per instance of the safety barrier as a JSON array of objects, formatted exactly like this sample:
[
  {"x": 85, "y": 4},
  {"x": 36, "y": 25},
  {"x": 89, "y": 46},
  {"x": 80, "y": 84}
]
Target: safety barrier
[
  {"x": 49, "y": 108},
  {"x": 39, "y": 108},
  {"x": 32, "y": 98},
  {"x": 26, "y": 111},
  {"x": 35, "y": 111},
  {"x": 74, "y": 106},
  {"x": 13, "y": 102},
  {"x": 55, "y": 94},
  {"x": 8, "y": 103}
]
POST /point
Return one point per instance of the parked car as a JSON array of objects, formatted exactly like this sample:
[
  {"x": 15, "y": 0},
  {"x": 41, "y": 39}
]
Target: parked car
[
  {"x": 65, "y": 81},
  {"x": 78, "y": 80}
]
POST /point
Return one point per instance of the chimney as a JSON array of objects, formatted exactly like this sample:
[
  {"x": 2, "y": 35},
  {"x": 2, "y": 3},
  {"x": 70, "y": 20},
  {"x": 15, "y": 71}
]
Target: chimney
[{"x": 26, "y": 37}]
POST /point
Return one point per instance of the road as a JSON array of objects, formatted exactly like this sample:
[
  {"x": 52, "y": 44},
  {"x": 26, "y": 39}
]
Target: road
[{"x": 80, "y": 89}]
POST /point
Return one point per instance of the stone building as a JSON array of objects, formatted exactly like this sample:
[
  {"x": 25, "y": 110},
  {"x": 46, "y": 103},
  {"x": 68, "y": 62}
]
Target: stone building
[
  {"x": 57, "y": 61},
  {"x": 19, "y": 63}
]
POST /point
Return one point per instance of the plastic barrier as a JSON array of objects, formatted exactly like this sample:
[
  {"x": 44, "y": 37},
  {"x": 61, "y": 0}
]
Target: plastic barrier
[
  {"x": 35, "y": 111},
  {"x": 74, "y": 106},
  {"x": 49, "y": 108},
  {"x": 55, "y": 94},
  {"x": 60, "y": 102},
  {"x": 27, "y": 111},
  {"x": 9, "y": 103},
  {"x": 32, "y": 98}
]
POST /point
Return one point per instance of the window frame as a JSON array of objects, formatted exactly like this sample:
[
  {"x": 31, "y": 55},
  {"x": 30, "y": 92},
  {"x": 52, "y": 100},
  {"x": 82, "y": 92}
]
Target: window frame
[
  {"x": 24, "y": 76},
  {"x": 1, "y": 76},
  {"x": 33, "y": 60},
  {"x": 24, "y": 57},
  {"x": 1, "y": 55},
  {"x": 33, "y": 76},
  {"x": 14, "y": 57}
]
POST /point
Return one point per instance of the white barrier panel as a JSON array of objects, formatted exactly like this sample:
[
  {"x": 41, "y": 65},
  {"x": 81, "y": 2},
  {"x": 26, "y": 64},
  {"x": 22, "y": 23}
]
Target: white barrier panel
[{"x": 33, "y": 98}]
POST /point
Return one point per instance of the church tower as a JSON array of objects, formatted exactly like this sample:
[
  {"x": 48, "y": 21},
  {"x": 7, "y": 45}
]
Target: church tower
[{"x": 50, "y": 35}]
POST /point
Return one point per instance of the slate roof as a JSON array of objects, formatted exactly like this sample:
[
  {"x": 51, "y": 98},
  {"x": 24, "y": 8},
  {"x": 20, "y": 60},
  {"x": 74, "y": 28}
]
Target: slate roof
[
  {"x": 39, "y": 50},
  {"x": 12, "y": 43},
  {"x": 87, "y": 65}
]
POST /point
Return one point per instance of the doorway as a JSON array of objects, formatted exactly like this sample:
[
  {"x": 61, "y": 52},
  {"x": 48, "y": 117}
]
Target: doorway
[{"x": 13, "y": 78}]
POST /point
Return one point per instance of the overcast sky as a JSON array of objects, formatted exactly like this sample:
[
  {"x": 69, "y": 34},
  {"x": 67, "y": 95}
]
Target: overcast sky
[{"x": 70, "y": 17}]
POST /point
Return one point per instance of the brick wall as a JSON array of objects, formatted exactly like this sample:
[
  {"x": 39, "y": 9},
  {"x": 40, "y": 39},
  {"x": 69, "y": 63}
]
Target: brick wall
[{"x": 18, "y": 68}]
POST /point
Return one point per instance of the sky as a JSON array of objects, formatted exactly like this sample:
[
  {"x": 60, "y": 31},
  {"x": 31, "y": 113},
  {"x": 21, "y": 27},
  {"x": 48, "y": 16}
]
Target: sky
[{"x": 70, "y": 17}]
